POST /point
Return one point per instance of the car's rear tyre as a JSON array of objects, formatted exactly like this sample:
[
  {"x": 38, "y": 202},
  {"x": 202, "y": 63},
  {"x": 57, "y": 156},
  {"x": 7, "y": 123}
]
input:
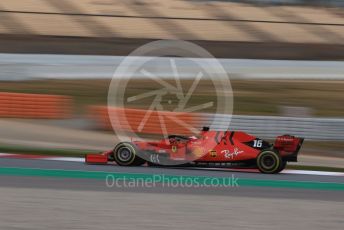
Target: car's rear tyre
[
  {"x": 125, "y": 154},
  {"x": 270, "y": 162},
  {"x": 282, "y": 166}
]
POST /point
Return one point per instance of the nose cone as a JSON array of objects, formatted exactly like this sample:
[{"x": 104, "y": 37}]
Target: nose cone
[{"x": 94, "y": 158}]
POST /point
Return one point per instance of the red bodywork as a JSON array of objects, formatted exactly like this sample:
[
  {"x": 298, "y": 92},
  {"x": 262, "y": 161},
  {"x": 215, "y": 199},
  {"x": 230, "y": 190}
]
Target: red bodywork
[{"x": 213, "y": 146}]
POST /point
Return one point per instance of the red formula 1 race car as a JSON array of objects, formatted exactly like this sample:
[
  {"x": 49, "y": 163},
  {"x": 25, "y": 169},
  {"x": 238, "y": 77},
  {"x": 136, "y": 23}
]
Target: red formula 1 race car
[{"x": 220, "y": 149}]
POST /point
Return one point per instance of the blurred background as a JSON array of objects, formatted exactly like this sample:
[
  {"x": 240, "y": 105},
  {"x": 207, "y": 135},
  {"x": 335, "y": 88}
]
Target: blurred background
[{"x": 284, "y": 59}]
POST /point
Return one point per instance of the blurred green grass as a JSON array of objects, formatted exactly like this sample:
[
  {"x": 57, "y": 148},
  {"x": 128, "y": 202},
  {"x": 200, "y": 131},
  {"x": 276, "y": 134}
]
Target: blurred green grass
[{"x": 251, "y": 97}]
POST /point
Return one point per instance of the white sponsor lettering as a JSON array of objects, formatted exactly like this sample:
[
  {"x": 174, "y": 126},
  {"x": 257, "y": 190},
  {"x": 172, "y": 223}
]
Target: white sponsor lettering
[
  {"x": 154, "y": 158},
  {"x": 232, "y": 155}
]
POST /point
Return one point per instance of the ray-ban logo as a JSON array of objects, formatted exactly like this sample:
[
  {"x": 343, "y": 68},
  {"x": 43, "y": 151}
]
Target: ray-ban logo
[{"x": 231, "y": 155}]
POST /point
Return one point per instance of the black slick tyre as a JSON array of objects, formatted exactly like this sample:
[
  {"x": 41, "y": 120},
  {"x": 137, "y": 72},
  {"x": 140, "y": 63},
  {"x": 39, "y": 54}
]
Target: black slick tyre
[
  {"x": 269, "y": 162},
  {"x": 125, "y": 154},
  {"x": 282, "y": 166}
]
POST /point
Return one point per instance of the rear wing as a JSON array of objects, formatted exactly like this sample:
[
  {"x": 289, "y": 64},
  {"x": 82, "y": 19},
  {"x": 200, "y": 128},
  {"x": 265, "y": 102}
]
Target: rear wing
[{"x": 289, "y": 144}]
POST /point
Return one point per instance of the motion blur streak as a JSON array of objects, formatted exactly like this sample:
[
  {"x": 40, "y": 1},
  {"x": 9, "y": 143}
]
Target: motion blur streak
[
  {"x": 285, "y": 63},
  {"x": 39, "y": 66}
]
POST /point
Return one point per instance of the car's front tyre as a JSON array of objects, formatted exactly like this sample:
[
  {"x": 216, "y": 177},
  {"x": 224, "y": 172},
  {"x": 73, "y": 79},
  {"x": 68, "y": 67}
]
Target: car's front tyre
[{"x": 125, "y": 154}]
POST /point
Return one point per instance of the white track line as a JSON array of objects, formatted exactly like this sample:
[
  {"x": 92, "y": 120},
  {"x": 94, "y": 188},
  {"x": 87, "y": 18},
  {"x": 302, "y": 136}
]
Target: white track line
[
  {"x": 80, "y": 159},
  {"x": 309, "y": 172},
  {"x": 70, "y": 159},
  {"x": 41, "y": 157},
  {"x": 3, "y": 155},
  {"x": 287, "y": 171}
]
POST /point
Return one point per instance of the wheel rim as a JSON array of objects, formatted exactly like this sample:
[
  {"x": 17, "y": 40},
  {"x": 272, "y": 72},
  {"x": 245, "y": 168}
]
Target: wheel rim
[
  {"x": 124, "y": 154},
  {"x": 268, "y": 161}
]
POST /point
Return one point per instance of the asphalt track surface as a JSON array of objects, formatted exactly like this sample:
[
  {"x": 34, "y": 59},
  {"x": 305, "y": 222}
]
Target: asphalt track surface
[
  {"x": 64, "y": 181},
  {"x": 46, "y": 194}
]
